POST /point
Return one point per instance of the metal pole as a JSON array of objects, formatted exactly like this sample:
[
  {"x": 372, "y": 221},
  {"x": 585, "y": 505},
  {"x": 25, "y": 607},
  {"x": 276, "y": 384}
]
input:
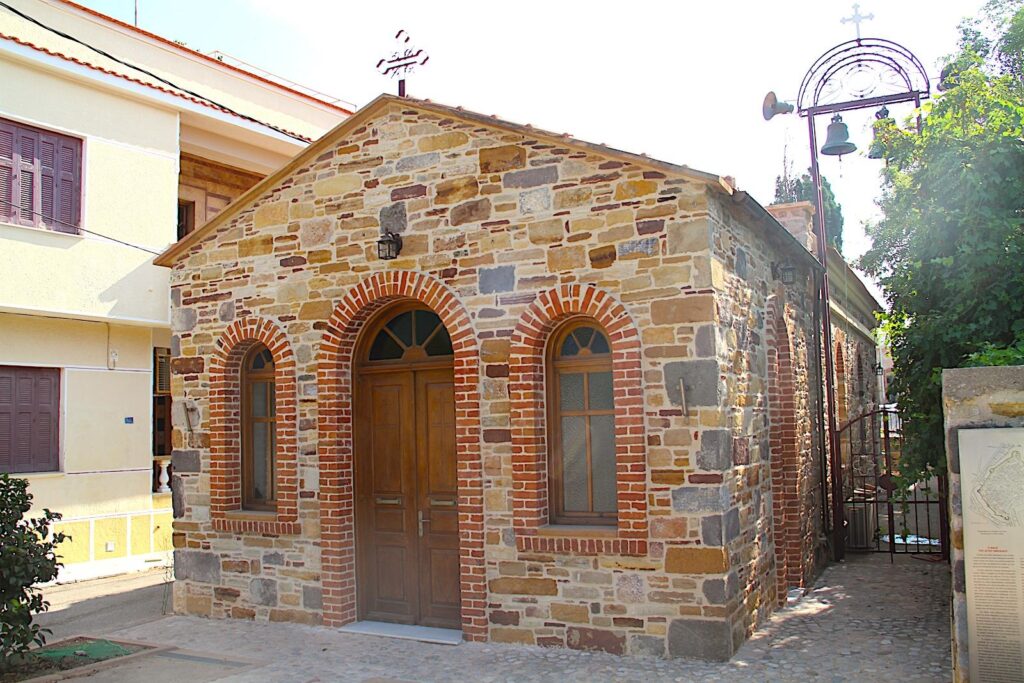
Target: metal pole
[{"x": 838, "y": 529}]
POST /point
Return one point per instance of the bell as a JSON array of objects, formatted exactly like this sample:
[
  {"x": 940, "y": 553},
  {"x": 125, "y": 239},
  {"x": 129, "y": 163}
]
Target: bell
[
  {"x": 877, "y": 149},
  {"x": 837, "y": 142}
]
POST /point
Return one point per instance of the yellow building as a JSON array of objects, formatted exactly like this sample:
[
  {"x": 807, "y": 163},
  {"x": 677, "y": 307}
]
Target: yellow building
[{"x": 104, "y": 162}]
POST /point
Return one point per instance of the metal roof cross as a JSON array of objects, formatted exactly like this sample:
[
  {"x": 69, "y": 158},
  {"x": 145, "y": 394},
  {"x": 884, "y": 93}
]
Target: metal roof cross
[
  {"x": 857, "y": 18},
  {"x": 402, "y": 61}
]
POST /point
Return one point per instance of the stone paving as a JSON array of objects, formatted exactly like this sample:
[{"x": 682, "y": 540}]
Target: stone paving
[{"x": 864, "y": 621}]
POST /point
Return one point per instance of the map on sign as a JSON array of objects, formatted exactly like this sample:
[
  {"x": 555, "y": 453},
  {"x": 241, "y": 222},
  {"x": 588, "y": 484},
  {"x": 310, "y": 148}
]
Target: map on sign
[{"x": 1000, "y": 481}]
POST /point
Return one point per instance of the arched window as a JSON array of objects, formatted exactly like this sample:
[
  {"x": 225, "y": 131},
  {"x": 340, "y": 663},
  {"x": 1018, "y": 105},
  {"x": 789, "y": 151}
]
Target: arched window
[
  {"x": 581, "y": 410},
  {"x": 259, "y": 433},
  {"x": 411, "y": 336}
]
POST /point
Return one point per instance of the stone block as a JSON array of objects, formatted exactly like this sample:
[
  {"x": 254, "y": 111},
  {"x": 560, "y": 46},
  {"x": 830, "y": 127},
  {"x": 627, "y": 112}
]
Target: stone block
[
  {"x": 668, "y": 527},
  {"x": 295, "y": 616},
  {"x": 185, "y": 460},
  {"x": 442, "y": 141},
  {"x": 417, "y": 162},
  {"x": 531, "y": 177},
  {"x": 456, "y": 190},
  {"x": 337, "y": 185},
  {"x": 274, "y": 559},
  {"x": 501, "y": 159},
  {"x": 199, "y": 605},
  {"x": 638, "y": 248},
  {"x": 226, "y": 311},
  {"x": 579, "y": 614},
  {"x": 700, "y": 499},
  {"x": 700, "y": 639},
  {"x": 470, "y": 212},
  {"x": 316, "y": 310},
  {"x": 594, "y": 639},
  {"x": 653, "y": 646},
  {"x": 408, "y": 192},
  {"x": 521, "y": 636},
  {"x": 631, "y": 189},
  {"x": 263, "y": 591},
  {"x": 698, "y": 308},
  {"x": 546, "y": 232},
  {"x": 523, "y": 586},
  {"x": 561, "y": 259},
  {"x": 225, "y": 593},
  {"x": 503, "y": 617},
  {"x": 499, "y": 279},
  {"x": 177, "y": 497},
  {"x": 629, "y": 588},
  {"x": 688, "y": 237},
  {"x": 256, "y": 246},
  {"x": 720, "y": 591},
  {"x": 695, "y": 560},
  {"x": 273, "y": 213},
  {"x": 741, "y": 268},
  {"x": 603, "y": 257},
  {"x": 705, "y": 342},
  {"x": 183, "y": 319},
  {"x": 711, "y": 530},
  {"x": 316, "y": 232},
  {"x": 572, "y": 197},
  {"x": 700, "y": 380},
  {"x": 732, "y": 525},
  {"x": 715, "y": 454},
  {"x": 393, "y": 218},
  {"x": 535, "y": 201},
  {"x": 196, "y": 565},
  {"x": 312, "y": 597}
]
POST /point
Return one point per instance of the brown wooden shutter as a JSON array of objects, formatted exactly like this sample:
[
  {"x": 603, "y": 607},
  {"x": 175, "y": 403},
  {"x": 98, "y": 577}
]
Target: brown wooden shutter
[
  {"x": 29, "y": 419},
  {"x": 7, "y": 135},
  {"x": 40, "y": 178},
  {"x": 26, "y": 183}
]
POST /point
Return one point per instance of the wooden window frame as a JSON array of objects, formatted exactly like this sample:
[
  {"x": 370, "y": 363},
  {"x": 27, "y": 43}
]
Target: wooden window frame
[
  {"x": 247, "y": 421},
  {"x": 58, "y": 175},
  {"x": 556, "y": 367}
]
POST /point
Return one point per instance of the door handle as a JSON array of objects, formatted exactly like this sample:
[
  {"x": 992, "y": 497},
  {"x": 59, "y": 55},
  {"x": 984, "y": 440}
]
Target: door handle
[{"x": 421, "y": 520}]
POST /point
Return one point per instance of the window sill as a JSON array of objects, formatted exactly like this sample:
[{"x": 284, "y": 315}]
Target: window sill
[
  {"x": 256, "y": 522},
  {"x": 577, "y": 530},
  {"x": 579, "y": 540},
  {"x": 46, "y": 231},
  {"x": 41, "y": 474}
]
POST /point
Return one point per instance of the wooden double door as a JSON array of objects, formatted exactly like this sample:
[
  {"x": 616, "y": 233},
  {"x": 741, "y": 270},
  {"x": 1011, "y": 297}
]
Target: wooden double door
[{"x": 407, "y": 515}]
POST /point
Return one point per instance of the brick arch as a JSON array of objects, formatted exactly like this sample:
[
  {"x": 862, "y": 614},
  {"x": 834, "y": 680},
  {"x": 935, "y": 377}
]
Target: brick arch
[
  {"x": 226, "y": 511},
  {"x": 841, "y": 389},
  {"x": 528, "y": 416},
  {"x": 335, "y": 439},
  {"x": 784, "y": 450}
]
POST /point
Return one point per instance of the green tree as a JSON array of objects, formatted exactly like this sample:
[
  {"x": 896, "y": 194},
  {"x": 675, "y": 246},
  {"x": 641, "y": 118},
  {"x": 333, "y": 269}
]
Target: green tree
[
  {"x": 949, "y": 248},
  {"x": 26, "y": 558},
  {"x": 789, "y": 188}
]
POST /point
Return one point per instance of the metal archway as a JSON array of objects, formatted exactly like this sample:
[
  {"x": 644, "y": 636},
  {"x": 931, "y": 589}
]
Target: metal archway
[{"x": 871, "y": 71}]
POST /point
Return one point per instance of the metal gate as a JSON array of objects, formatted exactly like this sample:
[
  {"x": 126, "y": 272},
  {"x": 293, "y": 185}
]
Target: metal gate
[{"x": 881, "y": 516}]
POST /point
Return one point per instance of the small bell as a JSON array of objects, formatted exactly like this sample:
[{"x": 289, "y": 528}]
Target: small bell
[
  {"x": 877, "y": 148},
  {"x": 837, "y": 141}
]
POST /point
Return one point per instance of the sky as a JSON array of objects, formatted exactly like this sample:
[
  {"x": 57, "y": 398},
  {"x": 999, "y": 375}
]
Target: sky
[{"x": 681, "y": 81}]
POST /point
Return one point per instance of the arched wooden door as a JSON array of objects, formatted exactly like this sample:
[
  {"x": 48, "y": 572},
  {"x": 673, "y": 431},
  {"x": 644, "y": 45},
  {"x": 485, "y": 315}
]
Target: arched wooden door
[{"x": 407, "y": 516}]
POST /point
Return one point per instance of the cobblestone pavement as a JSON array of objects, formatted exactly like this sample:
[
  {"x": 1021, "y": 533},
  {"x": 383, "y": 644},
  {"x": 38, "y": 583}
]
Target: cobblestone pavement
[{"x": 864, "y": 621}]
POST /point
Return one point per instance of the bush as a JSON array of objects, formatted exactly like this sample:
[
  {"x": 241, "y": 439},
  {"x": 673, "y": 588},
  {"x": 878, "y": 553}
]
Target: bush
[{"x": 26, "y": 558}]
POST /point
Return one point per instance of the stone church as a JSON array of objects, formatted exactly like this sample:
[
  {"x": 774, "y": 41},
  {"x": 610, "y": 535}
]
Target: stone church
[{"x": 447, "y": 371}]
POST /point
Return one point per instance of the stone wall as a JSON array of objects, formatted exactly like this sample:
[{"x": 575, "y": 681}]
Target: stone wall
[
  {"x": 504, "y": 235},
  {"x": 972, "y": 398}
]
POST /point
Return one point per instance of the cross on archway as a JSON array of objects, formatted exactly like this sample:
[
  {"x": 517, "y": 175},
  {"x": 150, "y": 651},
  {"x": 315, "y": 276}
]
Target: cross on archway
[
  {"x": 857, "y": 18},
  {"x": 403, "y": 61}
]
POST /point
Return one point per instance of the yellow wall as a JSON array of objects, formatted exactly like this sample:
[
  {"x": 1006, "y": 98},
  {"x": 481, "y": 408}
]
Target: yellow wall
[{"x": 130, "y": 185}]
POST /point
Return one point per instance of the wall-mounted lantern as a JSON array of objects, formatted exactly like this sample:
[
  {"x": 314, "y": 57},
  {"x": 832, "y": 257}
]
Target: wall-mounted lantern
[
  {"x": 879, "y": 370},
  {"x": 389, "y": 246},
  {"x": 784, "y": 273}
]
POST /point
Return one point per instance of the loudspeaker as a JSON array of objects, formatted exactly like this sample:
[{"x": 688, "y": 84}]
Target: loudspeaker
[{"x": 772, "y": 106}]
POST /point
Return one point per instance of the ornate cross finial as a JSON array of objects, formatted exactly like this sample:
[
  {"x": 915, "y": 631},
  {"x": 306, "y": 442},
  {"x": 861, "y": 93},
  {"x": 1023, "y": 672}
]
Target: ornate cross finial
[
  {"x": 402, "y": 61},
  {"x": 857, "y": 18}
]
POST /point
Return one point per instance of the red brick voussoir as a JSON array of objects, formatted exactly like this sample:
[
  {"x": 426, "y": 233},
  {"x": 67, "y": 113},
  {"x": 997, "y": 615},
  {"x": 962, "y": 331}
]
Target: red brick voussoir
[
  {"x": 335, "y": 432},
  {"x": 529, "y": 444}
]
